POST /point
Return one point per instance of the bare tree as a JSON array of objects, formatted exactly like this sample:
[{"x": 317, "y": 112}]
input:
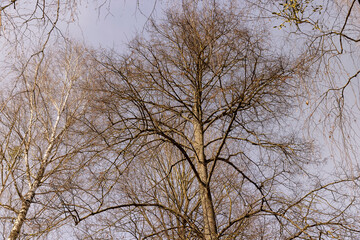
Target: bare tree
[
  {"x": 201, "y": 114},
  {"x": 40, "y": 146}
]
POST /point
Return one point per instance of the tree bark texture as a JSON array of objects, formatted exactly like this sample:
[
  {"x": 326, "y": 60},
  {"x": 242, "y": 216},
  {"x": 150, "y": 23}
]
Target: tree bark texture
[
  {"x": 15, "y": 231},
  {"x": 210, "y": 228}
]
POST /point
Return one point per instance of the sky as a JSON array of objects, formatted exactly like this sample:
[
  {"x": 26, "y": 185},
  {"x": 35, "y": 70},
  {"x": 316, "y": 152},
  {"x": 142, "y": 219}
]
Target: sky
[{"x": 111, "y": 25}]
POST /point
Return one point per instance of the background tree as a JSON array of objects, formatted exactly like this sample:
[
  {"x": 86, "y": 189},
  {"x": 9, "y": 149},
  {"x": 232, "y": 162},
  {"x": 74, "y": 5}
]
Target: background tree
[
  {"x": 333, "y": 29},
  {"x": 40, "y": 146}
]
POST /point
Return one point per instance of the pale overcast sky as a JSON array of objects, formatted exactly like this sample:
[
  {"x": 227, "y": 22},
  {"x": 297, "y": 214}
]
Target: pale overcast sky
[{"x": 113, "y": 25}]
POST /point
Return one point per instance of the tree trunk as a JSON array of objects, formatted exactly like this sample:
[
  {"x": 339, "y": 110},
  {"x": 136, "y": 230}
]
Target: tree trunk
[
  {"x": 210, "y": 228},
  {"x": 28, "y": 198},
  {"x": 15, "y": 231}
]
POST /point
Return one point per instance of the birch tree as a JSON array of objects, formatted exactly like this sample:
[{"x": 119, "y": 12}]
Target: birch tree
[{"x": 39, "y": 143}]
